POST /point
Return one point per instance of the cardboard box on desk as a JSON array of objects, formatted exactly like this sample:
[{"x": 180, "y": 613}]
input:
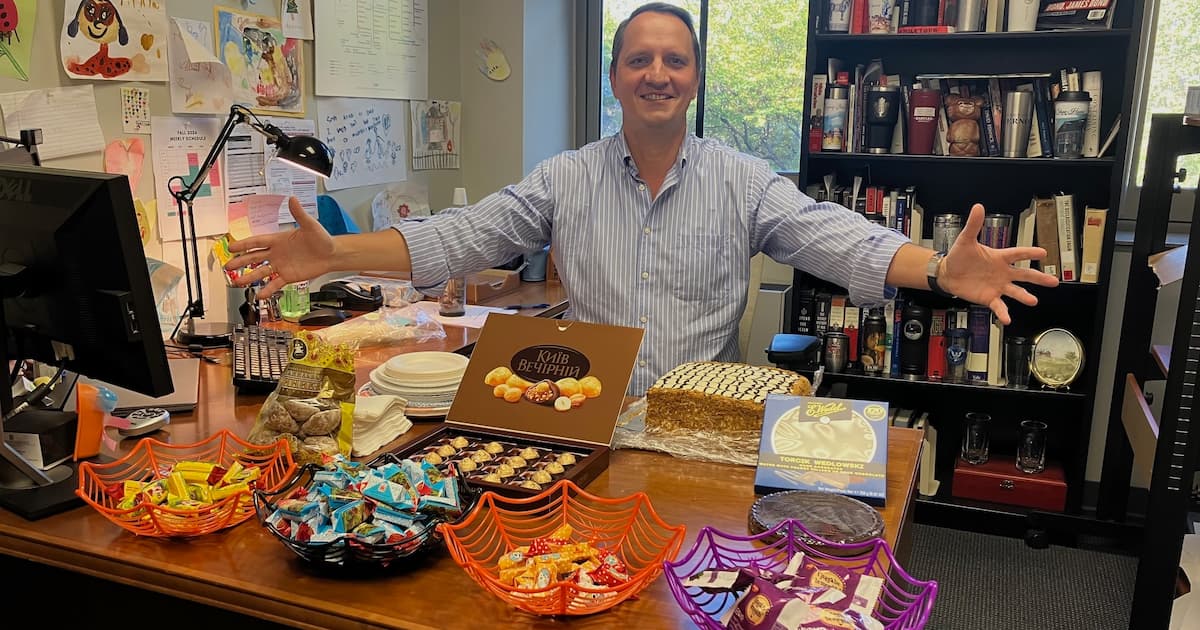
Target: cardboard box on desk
[
  {"x": 599, "y": 361},
  {"x": 490, "y": 283},
  {"x": 824, "y": 444}
]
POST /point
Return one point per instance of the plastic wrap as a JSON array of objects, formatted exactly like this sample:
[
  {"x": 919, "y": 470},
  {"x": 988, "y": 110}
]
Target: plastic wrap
[
  {"x": 727, "y": 447},
  {"x": 398, "y": 321}
]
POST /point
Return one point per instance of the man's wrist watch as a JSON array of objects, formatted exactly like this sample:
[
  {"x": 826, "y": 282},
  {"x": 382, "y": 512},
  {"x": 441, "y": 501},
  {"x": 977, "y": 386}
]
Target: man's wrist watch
[{"x": 931, "y": 274}]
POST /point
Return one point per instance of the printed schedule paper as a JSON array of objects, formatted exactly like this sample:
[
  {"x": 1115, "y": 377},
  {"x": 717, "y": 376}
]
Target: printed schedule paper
[{"x": 372, "y": 48}]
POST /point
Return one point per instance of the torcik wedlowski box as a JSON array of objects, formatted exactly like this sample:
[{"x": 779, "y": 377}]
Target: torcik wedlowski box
[
  {"x": 538, "y": 403},
  {"x": 824, "y": 444}
]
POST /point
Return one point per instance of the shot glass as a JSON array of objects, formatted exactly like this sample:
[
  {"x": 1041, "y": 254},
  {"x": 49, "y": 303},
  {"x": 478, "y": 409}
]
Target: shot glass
[
  {"x": 1031, "y": 451},
  {"x": 975, "y": 438}
]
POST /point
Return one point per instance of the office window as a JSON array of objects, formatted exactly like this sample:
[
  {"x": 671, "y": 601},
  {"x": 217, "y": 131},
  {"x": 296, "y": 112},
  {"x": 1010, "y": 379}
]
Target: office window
[
  {"x": 1173, "y": 69},
  {"x": 753, "y": 95}
]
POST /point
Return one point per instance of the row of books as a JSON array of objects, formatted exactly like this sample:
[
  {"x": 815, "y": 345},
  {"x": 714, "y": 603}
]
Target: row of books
[
  {"x": 981, "y": 107},
  {"x": 819, "y": 312},
  {"x": 1073, "y": 249},
  {"x": 1053, "y": 223},
  {"x": 942, "y": 16},
  {"x": 892, "y": 207}
]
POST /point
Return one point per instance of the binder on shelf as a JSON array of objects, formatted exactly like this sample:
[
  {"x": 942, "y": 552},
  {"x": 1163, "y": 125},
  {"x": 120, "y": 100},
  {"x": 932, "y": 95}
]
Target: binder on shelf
[
  {"x": 1067, "y": 242},
  {"x": 1047, "y": 235},
  {"x": 1093, "y": 242}
]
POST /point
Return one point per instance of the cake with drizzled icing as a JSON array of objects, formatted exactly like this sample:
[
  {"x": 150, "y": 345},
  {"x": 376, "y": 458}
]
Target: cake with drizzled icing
[{"x": 716, "y": 396}]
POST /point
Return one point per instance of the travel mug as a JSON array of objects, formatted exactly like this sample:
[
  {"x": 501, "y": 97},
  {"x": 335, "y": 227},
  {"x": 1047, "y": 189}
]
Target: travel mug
[
  {"x": 975, "y": 439},
  {"x": 997, "y": 229},
  {"x": 1022, "y": 15},
  {"x": 1018, "y": 110},
  {"x": 837, "y": 19},
  {"x": 945, "y": 231},
  {"x": 1016, "y": 362},
  {"x": 1070, "y": 121},
  {"x": 958, "y": 341},
  {"x": 923, "y": 12},
  {"x": 914, "y": 341},
  {"x": 837, "y": 351},
  {"x": 1031, "y": 450},
  {"x": 883, "y": 102},
  {"x": 923, "y": 107},
  {"x": 970, "y": 16},
  {"x": 879, "y": 16},
  {"x": 837, "y": 100}
]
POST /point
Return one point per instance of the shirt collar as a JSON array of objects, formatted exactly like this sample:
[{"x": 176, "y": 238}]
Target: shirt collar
[{"x": 685, "y": 149}]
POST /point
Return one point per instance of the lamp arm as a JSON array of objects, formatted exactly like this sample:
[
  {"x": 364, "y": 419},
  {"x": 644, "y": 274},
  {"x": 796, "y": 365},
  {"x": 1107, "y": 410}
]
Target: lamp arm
[{"x": 237, "y": 114}]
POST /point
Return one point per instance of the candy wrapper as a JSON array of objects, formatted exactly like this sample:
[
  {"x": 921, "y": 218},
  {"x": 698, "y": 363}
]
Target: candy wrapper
[{"x": 312, "y": 407}]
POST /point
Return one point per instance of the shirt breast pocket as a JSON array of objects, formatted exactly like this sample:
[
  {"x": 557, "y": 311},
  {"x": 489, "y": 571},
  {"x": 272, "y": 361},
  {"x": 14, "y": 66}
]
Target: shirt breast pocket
[{"x": 702, "y": 271}]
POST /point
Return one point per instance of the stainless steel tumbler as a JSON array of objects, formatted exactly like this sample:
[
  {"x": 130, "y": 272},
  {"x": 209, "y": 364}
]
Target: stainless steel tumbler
[{"x": 1014, "y": 135}]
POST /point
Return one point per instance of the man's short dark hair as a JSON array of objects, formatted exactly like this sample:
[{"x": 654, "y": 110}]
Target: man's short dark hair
[{"x": 657, "y": 7}]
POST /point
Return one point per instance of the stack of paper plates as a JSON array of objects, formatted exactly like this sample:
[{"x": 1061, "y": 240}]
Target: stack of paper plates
[{"x": 428, "y": 380}]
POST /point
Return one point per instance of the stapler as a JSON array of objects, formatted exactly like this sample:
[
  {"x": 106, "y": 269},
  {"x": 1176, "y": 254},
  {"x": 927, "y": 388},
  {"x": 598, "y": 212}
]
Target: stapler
[{"x": 350, "y": 296}]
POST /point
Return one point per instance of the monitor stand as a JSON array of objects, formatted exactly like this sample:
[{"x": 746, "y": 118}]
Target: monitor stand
[{"x": 20, "y": 496}]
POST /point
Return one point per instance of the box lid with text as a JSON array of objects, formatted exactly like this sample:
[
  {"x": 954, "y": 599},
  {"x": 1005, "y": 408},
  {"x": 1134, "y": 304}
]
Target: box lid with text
[
  {"x": 825, "y": 444},
  {"x": 574, "y": 376}
]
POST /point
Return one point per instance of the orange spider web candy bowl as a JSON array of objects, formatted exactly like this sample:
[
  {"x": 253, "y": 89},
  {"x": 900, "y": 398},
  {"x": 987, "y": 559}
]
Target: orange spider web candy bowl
[
  {"x": 564, "y": 551},
  {"x": 183, "y": 490}
]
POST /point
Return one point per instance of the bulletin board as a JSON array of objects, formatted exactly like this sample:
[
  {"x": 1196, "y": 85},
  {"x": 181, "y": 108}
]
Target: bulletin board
[{"x": 121, "y": 71}]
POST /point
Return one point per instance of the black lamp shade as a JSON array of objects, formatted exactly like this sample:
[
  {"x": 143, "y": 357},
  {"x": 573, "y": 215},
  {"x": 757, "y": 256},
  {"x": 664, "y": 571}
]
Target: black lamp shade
[{"x": 305, "y": 152}]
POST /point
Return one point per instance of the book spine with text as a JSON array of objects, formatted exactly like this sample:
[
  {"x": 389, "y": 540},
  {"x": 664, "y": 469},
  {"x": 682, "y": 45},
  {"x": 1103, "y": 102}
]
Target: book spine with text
[
  {"x": 979, "y": 323},
  {"x": 1067, "y": 242}
]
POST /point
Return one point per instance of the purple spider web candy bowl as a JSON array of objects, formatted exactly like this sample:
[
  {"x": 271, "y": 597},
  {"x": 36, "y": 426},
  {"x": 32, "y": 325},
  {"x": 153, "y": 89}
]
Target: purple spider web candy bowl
[{"x": 905, "y": 603}]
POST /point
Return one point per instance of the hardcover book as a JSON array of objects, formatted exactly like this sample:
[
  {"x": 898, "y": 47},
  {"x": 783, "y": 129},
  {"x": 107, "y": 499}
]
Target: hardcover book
[{"x": 824, "y": 444}]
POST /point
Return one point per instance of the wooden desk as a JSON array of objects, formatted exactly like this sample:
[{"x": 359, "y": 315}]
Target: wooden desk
[{"x": 245, "y": 570}]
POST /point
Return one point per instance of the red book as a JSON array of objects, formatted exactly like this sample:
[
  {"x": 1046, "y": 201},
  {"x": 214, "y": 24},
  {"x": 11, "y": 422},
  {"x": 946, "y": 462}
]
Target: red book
[
  {"x": 935, "y": 368},
  {"x": 858, "y": 16},
  {"x": 920, "y": 30}
]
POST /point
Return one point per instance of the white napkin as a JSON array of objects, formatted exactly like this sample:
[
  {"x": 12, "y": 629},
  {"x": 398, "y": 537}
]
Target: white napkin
[{"x": 378, "y": 420}]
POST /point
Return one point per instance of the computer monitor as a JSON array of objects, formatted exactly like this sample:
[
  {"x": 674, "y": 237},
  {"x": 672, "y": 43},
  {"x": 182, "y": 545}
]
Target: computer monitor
[{"x": 75, "y": 293}]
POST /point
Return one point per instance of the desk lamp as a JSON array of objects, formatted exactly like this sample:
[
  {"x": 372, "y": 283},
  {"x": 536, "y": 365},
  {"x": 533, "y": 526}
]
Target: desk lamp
[
  {"x": 28, "y": 142},
  {"x": 304, "y": 152}
]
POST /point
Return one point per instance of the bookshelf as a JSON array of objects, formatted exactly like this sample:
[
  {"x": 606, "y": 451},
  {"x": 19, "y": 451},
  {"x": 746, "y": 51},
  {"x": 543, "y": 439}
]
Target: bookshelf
[{"x": 951, "y": 184}]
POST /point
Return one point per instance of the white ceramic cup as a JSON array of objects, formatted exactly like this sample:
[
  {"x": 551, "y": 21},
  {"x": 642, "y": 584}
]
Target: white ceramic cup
[{"x": 1022, "y": 15}]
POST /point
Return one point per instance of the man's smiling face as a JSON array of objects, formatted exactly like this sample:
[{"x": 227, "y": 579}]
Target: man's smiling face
[{"x": 656, "y": 76}]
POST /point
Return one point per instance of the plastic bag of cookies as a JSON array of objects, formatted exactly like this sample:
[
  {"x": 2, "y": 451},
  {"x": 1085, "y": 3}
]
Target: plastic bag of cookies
[{"x": 312, "y": 407}]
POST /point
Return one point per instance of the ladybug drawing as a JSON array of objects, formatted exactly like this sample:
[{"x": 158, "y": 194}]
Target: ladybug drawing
[{"x": 9, "y": 21}]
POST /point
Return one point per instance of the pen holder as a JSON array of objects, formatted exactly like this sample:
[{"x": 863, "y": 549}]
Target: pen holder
[{"x": 535, "y": 265}]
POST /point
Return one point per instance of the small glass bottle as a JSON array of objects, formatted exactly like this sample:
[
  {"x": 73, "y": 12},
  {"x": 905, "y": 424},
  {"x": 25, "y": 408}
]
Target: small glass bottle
[{"x": 294, "y": 303}]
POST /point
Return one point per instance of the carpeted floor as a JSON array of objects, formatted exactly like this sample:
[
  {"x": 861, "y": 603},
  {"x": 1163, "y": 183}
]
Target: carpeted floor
[{"x": 994, "y": 583}]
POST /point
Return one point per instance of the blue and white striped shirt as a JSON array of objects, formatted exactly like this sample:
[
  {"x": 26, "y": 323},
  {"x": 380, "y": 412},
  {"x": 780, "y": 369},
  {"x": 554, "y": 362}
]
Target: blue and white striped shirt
[{"x": 677, "y": 266}]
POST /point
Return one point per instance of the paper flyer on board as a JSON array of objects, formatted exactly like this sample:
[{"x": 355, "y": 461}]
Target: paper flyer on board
[
  {"x": 180, "y": 147},
  {"x": 200, "y": 83}
]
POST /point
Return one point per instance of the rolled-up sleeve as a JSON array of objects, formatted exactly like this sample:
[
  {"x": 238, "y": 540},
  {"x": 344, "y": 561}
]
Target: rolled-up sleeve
[
  {"x": 458, "y": 241},
  {"x": 824, "y": 239}
]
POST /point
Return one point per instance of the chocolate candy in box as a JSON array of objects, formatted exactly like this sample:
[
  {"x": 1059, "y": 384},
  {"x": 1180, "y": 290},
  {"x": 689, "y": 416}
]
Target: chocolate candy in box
[{"x": 538, "y": 403}]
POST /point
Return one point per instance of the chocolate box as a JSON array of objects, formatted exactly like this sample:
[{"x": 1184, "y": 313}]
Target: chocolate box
[{"x": 550, "y": 385}]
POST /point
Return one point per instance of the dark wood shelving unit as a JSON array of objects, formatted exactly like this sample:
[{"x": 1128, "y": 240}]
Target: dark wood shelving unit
[{"x": 954, "y": 184}]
